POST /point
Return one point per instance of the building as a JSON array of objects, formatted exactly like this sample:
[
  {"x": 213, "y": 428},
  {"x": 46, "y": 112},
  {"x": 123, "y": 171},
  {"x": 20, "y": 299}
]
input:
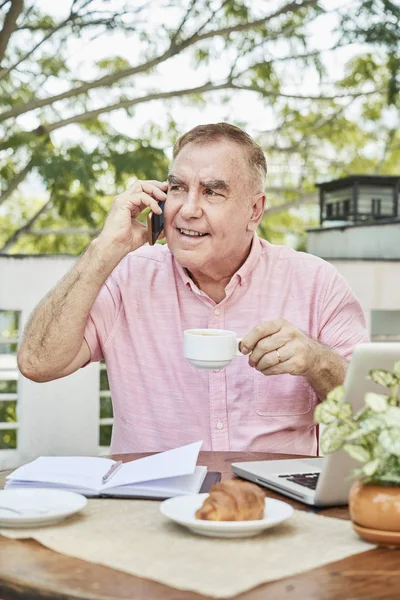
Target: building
[{"x": 360, "y": 235}]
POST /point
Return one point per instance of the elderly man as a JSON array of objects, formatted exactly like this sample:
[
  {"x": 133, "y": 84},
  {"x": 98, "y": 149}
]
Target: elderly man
[{"x": 129, "y": 303}]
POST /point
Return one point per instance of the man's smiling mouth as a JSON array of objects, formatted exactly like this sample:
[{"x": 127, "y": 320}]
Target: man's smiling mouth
[{"x": 191, "y": 233}]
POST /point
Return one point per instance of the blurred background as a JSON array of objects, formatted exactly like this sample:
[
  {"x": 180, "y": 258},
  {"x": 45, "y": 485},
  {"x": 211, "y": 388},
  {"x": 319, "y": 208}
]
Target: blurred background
[{"x": 94, "y": 93}]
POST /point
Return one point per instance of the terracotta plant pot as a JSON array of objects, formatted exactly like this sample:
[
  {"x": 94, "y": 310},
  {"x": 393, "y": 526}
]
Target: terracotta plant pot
[{"x": 375, "y": 512}]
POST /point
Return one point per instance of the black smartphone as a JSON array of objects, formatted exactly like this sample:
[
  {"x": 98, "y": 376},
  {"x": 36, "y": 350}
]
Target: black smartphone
[{"x": 155, "y": 225}]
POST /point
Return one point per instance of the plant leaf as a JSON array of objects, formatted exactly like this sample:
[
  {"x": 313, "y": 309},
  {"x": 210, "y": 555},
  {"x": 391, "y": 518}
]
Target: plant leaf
[
  {"x": 334, "y": 436},
  {"x": 392, "y": 416},
  {"x": 390, "y": 440},
  {"x": 326, "y": 412},
  {"x": 345, "y": 411},
  {"x": 388, "y": 478},
  {"x": 376, "y": 402},
  {"x": 373, "y": 422},
  {"x": 383, "y": 377},
  {"x": 370, "y": 467},
  {"x": 356, "y": 435},
  {"x": 357, "y": 452},
  {"x": 336, "y": 394}
]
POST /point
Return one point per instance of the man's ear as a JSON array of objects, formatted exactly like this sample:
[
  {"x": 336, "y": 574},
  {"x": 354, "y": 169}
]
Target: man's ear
[{"x": 257, "y": 211}]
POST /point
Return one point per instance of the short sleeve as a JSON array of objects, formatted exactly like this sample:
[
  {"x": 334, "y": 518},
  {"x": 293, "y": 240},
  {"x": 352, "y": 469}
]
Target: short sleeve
[
  {"x": 342, "y": 323},
  {"x": 102, "y": 318}
]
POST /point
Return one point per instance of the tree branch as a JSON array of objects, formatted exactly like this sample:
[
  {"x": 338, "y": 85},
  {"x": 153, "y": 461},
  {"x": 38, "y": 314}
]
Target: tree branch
[
  {"x": 10, "y": 23},
  {"x": 87, "y": 115},
  {"x": 207, "y": 87},
  {"x": 5, "y": 72},
  {"x": 182, "y": 24},
  {"x": 25, "y": 228},
  {"x": 16, "y": 181},
  {"x": 172, "y": 50},
  {"x": 70, "y": 19}
]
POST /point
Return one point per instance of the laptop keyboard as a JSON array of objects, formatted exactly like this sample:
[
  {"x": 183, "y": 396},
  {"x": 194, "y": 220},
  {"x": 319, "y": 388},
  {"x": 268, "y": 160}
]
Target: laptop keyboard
[{"x": 308, "y": 480}]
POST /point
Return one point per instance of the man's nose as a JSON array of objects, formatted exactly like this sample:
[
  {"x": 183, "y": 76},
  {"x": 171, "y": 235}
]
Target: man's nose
[{"x": 191, "y": 208}]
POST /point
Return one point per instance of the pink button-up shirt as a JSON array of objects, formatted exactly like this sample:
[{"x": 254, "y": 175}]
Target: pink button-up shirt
[{"x": 161, "y": 401}]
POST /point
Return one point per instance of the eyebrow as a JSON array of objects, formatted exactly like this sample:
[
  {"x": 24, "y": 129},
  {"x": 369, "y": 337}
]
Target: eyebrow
[{"x": 213, "y": 184}]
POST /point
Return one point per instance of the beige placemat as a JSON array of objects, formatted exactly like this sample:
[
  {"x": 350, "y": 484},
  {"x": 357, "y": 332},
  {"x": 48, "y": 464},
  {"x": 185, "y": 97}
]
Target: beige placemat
[{"x": 134, "y": 537}]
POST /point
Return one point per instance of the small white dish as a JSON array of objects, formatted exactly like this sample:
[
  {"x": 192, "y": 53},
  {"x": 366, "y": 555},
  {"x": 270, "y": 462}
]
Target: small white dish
[
  {"x": 37, "y": 507},
  {"x": 181, "y": 509}
]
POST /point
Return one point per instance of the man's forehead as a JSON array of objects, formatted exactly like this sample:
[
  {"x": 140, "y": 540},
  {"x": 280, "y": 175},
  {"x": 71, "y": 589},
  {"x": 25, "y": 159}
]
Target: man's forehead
[{"x": 215, "y": 161}]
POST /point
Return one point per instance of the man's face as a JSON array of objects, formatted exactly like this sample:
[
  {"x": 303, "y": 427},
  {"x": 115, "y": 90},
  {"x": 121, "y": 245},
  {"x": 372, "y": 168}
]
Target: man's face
[{"x": 209, "y": 211}]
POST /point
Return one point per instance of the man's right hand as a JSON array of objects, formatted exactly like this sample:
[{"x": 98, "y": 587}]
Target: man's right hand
[{"x": 121, "y": 227}]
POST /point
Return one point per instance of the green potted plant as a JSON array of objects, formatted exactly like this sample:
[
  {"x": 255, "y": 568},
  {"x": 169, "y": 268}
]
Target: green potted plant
[{"x": 372, "y": 437}]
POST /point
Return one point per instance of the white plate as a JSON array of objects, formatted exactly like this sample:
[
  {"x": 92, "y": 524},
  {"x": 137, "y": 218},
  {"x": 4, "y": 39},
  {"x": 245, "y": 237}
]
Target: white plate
[
  {"x": 37, "y": 507},
  {"x": 181, "y": 509}
]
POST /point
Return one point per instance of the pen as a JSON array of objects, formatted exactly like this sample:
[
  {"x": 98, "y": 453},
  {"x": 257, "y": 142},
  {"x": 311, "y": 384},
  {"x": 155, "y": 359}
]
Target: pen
[{"x": 112, "y": 470}]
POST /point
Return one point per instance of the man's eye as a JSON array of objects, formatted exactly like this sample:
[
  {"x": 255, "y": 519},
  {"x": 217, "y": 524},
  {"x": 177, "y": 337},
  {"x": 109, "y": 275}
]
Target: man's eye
[
  {"x": 175, "y": 188},
  {"x": 211, "y": 193}
]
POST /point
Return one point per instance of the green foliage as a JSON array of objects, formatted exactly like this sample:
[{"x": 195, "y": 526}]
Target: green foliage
[
  {"x": 372, "y": 436},
  {"x": 82, "y": 170},
  {"x": 8, "y": 439},
  {"x": 106, "y": 409},
  {"x": 105, "y": 435},
  {"x": 377, "y": 23},
  {"x": 113, "y": 64},
  {"x": 8, "y": 411}
]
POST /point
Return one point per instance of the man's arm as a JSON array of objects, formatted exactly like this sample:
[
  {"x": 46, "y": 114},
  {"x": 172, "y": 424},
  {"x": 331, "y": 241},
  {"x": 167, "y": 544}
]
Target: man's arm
[
  {"x": 326, "y": 371},
  {"x": 53, "y": 344}
]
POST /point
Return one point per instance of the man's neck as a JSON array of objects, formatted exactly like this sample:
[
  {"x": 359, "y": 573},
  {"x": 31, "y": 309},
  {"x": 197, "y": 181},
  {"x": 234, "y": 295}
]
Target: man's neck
[
  {"x": 214, "y": 289},
  {"x": 214, "y": 285}
]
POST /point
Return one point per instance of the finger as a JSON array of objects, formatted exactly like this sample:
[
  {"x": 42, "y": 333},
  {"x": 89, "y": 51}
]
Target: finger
[
  {"x": 282, "y": 368},
  {"x": 265, "y": 346},
  {"x": 142, "y": 200},
  {"x": 273, "y": 358},
  {"x": 153, "y": 190},
  {"x": 259, "y": 332}
]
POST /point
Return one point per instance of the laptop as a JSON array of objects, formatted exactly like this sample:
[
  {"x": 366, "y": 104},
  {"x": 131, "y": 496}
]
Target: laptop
[{"x": 325, "y": 481}]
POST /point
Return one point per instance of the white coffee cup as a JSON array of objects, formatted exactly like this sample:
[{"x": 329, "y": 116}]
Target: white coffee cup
[{"x": 211, "y": 349}]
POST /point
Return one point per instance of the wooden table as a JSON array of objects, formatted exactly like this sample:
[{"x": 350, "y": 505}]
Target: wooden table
[{"x": 29, "y": 570}]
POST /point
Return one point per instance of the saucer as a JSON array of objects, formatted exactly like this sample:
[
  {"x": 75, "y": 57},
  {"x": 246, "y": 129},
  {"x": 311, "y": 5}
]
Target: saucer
[
  {"x": 378, "y": 536},
  {"x": 37, "y": 507},
  {"x": 181, "y": 510}
]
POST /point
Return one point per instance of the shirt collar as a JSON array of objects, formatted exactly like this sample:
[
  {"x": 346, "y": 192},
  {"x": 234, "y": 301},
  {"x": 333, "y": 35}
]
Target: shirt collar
[{"x": 239, "y": 277}]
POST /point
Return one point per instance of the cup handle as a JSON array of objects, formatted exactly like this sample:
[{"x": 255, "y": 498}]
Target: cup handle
[{"x": 238, "y": 353}]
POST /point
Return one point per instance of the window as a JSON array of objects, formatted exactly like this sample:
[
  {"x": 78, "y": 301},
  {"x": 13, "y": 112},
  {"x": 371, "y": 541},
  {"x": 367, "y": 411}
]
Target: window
[
  {"x": 376, "y": 207},
  {"x": 385, "y": 325},
  {"x": 106, "y": 410},
  {"x": 9, "y": 332}
]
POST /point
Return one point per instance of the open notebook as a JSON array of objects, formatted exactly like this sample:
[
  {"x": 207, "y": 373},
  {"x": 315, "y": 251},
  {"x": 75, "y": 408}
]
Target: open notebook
[{"x": 163, "y": 475}]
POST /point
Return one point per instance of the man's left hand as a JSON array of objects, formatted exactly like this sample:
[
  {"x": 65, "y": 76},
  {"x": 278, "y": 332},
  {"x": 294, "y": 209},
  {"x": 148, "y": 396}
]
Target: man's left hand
[{"x": 277, "y": 347}]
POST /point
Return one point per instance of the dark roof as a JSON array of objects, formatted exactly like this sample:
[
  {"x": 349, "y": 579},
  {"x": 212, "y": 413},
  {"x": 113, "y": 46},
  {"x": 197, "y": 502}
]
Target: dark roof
[{"x": 371, "y": 179}]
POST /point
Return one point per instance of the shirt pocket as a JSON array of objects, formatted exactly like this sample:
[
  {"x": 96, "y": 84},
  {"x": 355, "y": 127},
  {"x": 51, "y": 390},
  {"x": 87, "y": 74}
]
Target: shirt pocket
[{"x": 282, "y": 395}]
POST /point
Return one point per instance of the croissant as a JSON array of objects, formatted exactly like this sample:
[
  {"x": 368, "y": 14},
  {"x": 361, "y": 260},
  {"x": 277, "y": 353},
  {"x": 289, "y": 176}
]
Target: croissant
[{"x": 233, "y": 500}]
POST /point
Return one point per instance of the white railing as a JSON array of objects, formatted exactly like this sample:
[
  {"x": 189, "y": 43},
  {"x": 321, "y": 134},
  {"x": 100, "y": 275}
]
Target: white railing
[{"x": 59, "y": 417}]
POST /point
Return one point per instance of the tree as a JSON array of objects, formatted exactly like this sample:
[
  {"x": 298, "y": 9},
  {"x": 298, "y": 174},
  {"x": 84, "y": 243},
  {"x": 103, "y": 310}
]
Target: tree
[{"x": 44, "y": 90}]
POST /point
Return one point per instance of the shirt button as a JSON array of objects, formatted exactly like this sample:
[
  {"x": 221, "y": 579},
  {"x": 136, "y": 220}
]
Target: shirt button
[
  {"x": 219, "y": 425},
  {"x": 217, "y": 312}
]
